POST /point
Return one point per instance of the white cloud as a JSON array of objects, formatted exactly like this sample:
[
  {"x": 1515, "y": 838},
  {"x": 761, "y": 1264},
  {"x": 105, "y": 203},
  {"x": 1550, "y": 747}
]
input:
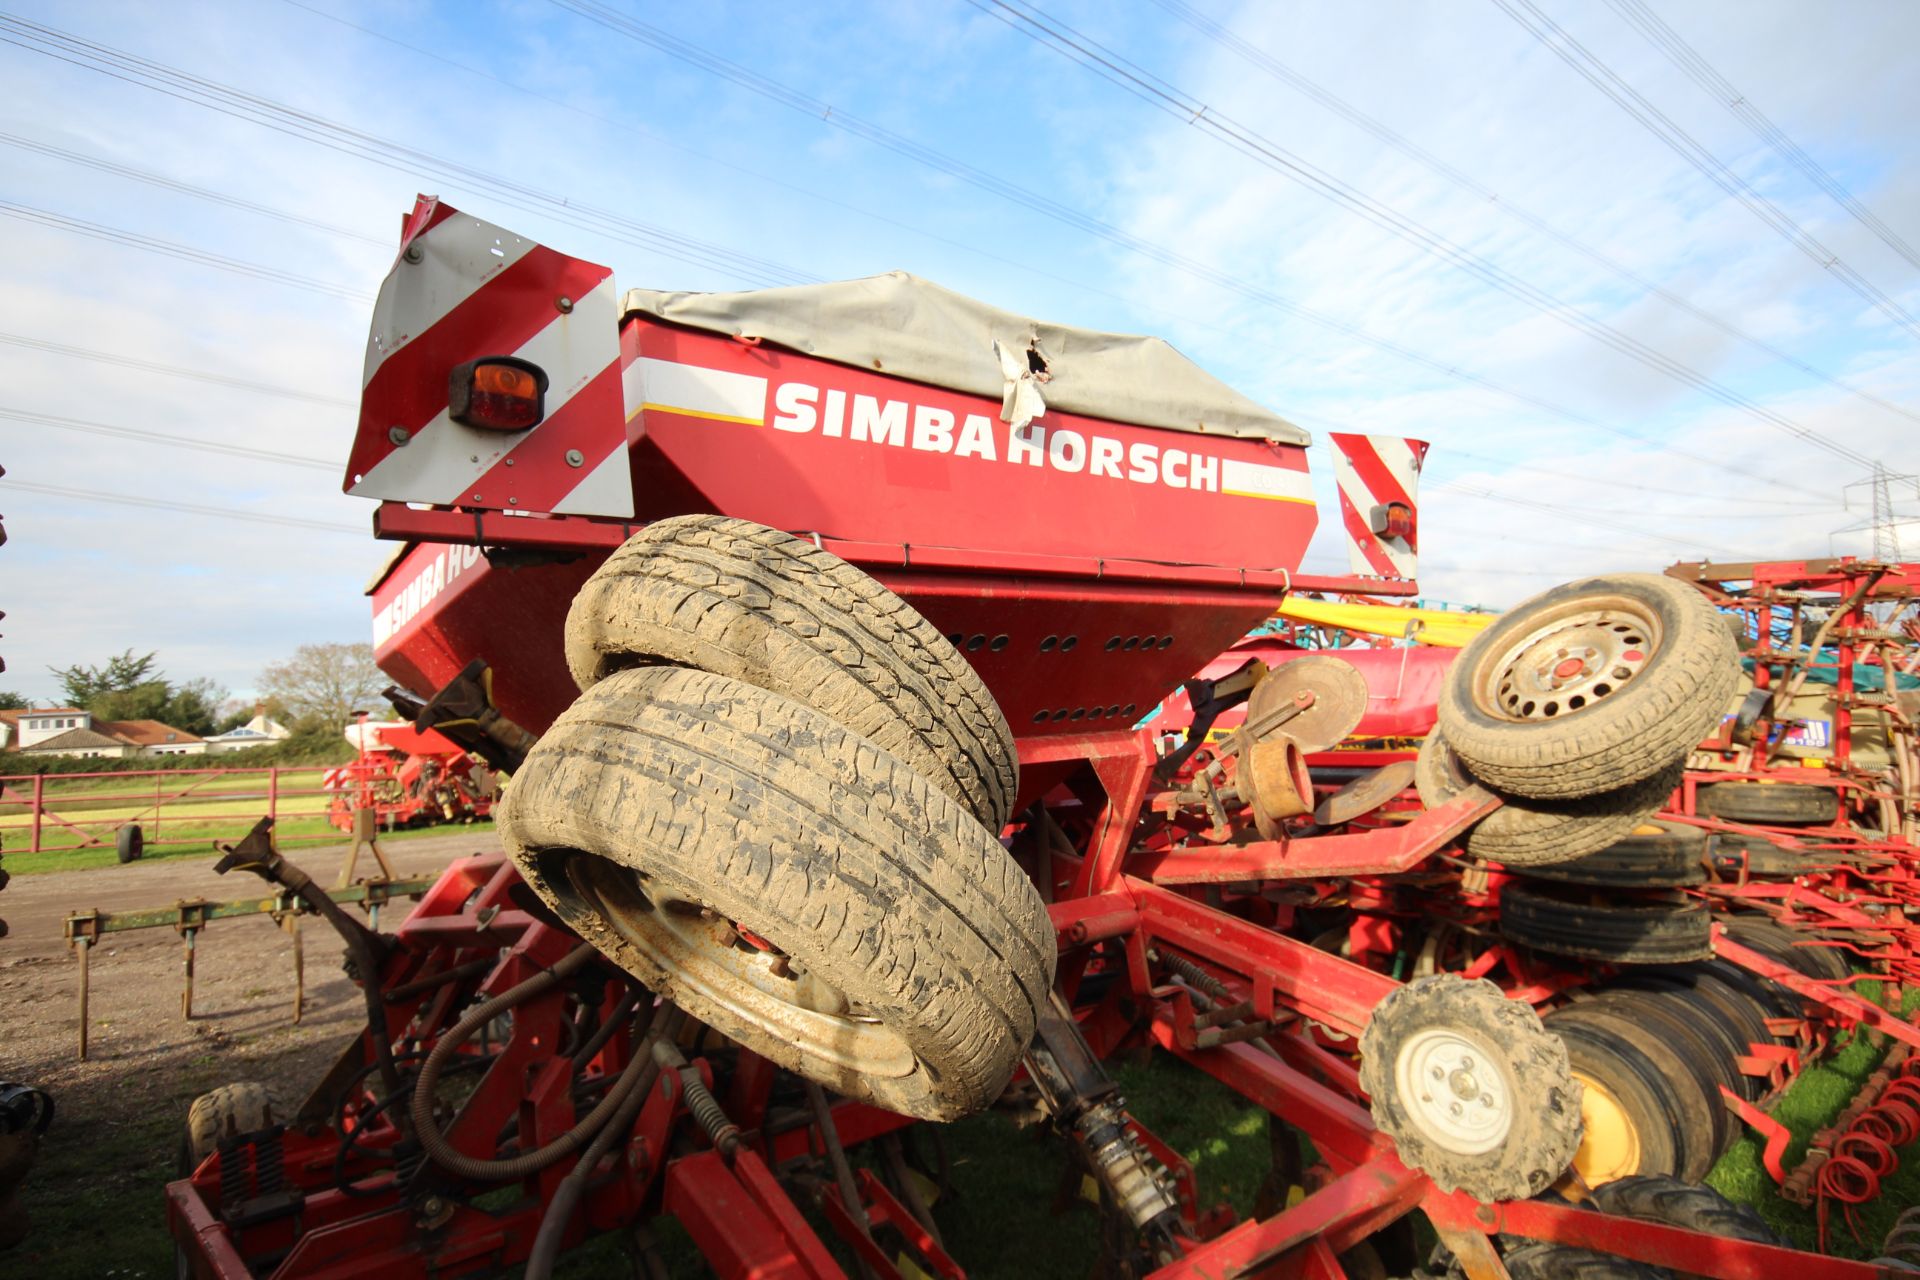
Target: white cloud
[{"x": 668, "y": 145}]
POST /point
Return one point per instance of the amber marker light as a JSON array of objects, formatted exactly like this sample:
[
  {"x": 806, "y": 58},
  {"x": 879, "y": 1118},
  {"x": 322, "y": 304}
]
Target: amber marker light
[{"x": 498, "y": 393}]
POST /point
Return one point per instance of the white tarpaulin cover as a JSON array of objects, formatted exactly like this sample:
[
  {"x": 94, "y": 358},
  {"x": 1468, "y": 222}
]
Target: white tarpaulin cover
[{"x": 911, "y": 328}]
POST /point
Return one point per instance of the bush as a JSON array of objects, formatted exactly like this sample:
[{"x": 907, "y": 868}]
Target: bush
[{"x": 305, "y": 747}]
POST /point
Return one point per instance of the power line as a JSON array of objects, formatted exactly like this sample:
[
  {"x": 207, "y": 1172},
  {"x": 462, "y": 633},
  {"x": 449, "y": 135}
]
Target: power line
[
  {"x": 1718, "y": 87},
  {"x": 189, "y": 508},
  {"x": 172, "y": 370},
  {"x": 412, "y": 161},
  {"x": 186, "y": 253},
  {"x": 151, "y": 178},
  {"x": 1576, "y": 55},
  {"x": 1579, "y": 517},
  {"x": 878, "y": 135},
  {"x": 1050, "y": 33},
  {"x": 161, "y": 437},
  {"x": 1773, "y": 505},
  {"x": 240, "y": 105},
  {"x": 1259, "y": 58}
]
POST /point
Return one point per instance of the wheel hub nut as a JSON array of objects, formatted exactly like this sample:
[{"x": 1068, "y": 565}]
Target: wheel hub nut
[{"x": 1464, "y": 1085}]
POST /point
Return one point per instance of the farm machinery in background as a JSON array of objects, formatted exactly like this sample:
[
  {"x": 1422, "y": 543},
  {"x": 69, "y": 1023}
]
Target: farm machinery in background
[
  {"x": 834, "y": 610},
  {"x": 407, "y": 777}
]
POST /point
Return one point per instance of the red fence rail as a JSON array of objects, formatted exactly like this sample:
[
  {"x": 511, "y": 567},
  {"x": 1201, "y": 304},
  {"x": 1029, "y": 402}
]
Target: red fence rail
[{"x": 51, "y": 809}]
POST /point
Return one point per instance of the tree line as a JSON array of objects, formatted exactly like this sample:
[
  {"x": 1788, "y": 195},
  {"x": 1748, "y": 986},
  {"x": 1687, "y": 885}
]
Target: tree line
[{"x": 317, "y": 690}]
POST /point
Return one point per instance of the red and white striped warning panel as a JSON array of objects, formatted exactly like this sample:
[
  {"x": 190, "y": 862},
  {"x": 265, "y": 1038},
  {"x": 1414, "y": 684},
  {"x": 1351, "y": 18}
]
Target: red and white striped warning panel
[
  {"x": 463, "y": 290},
  {"x": 1379, "y": 482}
]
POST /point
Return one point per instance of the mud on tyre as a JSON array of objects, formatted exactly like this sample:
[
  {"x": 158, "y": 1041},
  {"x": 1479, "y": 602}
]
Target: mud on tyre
[
  {"x": 1589, "y": 687},
  {"x": 789, "y": 882},
  {"x": 742, "y": 600},
  {"x": 1471, "y": 1088},
  {"x": 1531, "y": 833},
  {"x": 230, "y": 1111}
]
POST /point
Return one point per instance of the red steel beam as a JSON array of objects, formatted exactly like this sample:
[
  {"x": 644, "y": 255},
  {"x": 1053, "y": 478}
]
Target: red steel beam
[{"x": 1375, "y": 851}]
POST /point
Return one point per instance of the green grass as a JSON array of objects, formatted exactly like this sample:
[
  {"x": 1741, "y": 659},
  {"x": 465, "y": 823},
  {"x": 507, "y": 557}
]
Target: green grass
[
  {"x": 1813, "y": 1101},
  {"x": 311, "y": 830}
]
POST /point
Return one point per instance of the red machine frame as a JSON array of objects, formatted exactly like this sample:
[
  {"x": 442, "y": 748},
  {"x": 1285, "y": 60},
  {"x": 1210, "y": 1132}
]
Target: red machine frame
[{"x": 1170, "y": 911}]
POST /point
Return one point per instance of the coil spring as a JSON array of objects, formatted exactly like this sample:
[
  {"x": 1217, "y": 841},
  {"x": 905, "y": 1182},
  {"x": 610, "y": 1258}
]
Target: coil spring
[
  {"x": 1903, "y": 1238},
  {"x": 1194, "y": 975},
  {"x": 1865, "y": 1153},
  {"x": 722, "y": 1132}
]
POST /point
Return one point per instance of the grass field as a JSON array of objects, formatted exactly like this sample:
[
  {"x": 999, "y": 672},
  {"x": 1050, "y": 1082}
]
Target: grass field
[
  {"x": 200, "y": 843},
  {"x": 81, "y": 815}
]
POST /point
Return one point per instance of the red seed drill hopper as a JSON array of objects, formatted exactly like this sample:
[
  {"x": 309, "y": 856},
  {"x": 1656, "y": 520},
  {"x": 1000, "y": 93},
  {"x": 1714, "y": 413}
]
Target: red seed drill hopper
[{"x": 1084, "y": 520}]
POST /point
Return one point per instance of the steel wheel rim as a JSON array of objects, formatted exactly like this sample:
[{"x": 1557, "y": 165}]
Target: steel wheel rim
[
  {"x": 708, "y": 957},
  {"x": 1456, "y": 1089},
  {"x": 1570, "y": 660},
  {"x": 1609, "y": 1144}
]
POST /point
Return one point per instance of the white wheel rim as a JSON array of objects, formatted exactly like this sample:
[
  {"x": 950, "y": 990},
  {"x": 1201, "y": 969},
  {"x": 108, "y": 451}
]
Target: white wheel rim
[
  {"x": 1571, "y": 659},
  {"x": 1456, "y": 1090},
  {"x": 705, "y": 960}
]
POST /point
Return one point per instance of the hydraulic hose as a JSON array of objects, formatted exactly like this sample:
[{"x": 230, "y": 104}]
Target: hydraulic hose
[
  {"x": 443, "y": 1153},
  {"x": 566, "y": 1197}
]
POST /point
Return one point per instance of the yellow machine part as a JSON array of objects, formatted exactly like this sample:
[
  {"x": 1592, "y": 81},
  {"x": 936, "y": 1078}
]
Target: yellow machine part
[{"x": 1439, "y": 627}]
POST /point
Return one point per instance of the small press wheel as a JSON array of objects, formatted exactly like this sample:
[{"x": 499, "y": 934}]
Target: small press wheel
[{"x": 1474, "y": 1092}]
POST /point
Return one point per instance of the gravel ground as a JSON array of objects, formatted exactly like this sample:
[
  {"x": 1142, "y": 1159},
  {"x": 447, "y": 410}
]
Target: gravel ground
[{"x": 120, "y": 1112}]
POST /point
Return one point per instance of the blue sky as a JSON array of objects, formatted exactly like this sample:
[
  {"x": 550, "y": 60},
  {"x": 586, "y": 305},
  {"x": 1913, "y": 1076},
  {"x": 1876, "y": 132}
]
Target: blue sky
[{"x": 1515, "y": 497}]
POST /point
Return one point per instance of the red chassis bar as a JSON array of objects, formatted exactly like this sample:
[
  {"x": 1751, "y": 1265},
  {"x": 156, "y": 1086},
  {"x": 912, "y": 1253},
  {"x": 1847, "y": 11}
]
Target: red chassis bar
[
  {"x": 742, "y": 1216},
  {"x": 395, "y": 521}
]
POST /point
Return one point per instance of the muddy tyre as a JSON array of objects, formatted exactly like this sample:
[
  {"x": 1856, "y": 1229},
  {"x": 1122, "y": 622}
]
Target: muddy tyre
[
  {"x": 1770, "y": 803},
  {"x": 1619, "y": 930},
  {"x": 1655, "y": 669},
  {"x": 1503, "y": 1120},
  {"x": 227, "y": 1112},
  {"x": 129, "y": 842},
  {"x": 1535, "y": 833},
  {"x": 789, "y": 883},
  {"x": 1684, "y": 1204},
  {"x": 1655, "y": 855},
  {"x": 742, "y": 600}
]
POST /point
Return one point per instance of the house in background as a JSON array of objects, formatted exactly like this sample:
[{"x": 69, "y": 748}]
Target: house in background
[
  {"x": 25, "y": 728},
  {"x": 261, "y": 731},
  {"x": 69, "y": 731}
]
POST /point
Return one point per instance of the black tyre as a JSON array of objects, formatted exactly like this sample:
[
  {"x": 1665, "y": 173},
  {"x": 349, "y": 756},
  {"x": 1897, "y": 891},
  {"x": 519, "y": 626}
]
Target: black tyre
[
  {"x": 1670, "y": 1128},
  {"x": 1657, "y": 855},
  {"x": 1737, "y": 1018},
  {"x": 1732, "y": 855},
  {"x": 230, "y": 1111},
  {"x": 1543, "y": 1260},
  {"x": 788, "y": 882},
  {"x": 1589, "y": 687},
  {"x": 1535, "y": 833},
  {"x": 1769, "y": 803},
  {"x": 1626, "y": 1119},
  {"x": 1772, "y": 999},
  {"x": 1684, "y": 1204},
  {"x": 1824, "y": 964},
  {"x": 129, "y": 842},
  {"x": 1707, "y": 1050},
  {"x": 1655, "y": 929},
  {"x": 742, "y": 600},
  {"x": 1470, "y": 1087}
]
